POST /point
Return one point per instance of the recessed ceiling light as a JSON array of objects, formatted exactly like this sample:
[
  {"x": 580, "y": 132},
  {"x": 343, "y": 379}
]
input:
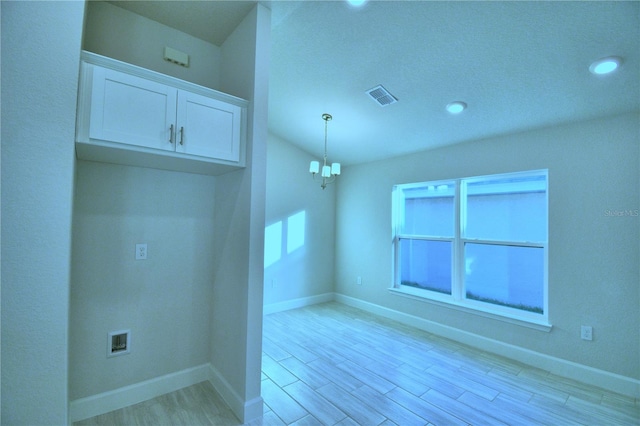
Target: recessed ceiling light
[
  {"x": 605, "y": 65},
  {"x": 456, "y": 107},
  {"x": 356, "y": 3}
]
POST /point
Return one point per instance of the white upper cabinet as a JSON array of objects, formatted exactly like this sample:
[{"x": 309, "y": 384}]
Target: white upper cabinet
[
  {"x": 129, "y": 115},
  {"x": 207, "y": 127},
  {"x": 131, "y": 110}
]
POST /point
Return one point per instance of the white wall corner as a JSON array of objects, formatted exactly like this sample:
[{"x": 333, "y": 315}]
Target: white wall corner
[
  {"x": 253, "y": 409},
  {"x": 298, "y": 303},
  {"x": 243, "y": 410},
  {"x": 568, "y": 369},
  {"x": 84, "y": 408}
]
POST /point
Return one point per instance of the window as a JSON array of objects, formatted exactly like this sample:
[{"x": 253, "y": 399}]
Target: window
[{"x": 477, "y": 242}]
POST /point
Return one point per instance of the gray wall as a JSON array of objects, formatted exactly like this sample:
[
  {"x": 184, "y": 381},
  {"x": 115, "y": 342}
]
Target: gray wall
[
  {"x": 309, "y": 270},
  {"x": 593, "y": 257},
  {"x": 40, "y": 59},
  {"x": 119, "y": 34},
  {"x": 236, "y": 340},
  {"x": 165, "y": 299}
]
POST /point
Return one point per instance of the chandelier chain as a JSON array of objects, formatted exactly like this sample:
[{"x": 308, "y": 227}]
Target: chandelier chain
[{"x": 326, "y": 118}]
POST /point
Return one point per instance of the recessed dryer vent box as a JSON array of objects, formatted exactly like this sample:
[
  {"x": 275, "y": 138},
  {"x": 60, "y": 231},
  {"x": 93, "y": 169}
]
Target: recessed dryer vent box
[{"x": 119, "y": 343}]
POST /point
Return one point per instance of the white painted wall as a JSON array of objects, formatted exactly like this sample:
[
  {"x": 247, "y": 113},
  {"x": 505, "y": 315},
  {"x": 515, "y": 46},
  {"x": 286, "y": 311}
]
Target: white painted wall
[
  {"x": 593, "y": 265},
  {"x": 236, "y": 338},
  {"x": 40, "y": 59},
  {"x": 119, "y": 34},
  {"x": 309, "y": 270},
  {"x": 163, "y": 300}
]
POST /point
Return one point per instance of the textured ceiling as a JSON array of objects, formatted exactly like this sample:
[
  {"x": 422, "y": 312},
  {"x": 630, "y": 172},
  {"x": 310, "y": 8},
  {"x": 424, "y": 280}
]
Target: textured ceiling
[{"x": 518, "y": 66}]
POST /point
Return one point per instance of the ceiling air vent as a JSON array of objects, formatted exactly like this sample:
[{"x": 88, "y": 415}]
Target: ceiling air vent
[{"x": 381, "y": 96}]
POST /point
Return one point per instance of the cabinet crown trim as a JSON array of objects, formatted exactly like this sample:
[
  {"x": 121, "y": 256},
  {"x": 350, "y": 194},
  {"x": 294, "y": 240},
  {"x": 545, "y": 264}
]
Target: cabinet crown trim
[{"x": 133, "y": 116}]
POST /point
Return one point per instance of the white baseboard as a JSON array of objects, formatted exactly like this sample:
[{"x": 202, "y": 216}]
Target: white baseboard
[
  {"x": 582, "y": 373},
  {"x": 91, "y": 406},
  {"x": 102, "y": 403},
  {"x": 84, "y": 408},
  {"x": 297, "y": 303},
  {"x": 245, "y": 411},
  {"x": 253, "y": 409}
]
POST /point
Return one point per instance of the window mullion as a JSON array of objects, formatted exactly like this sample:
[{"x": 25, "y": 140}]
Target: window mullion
[
  {"x": 424, "y": 237},
  {"x": 397, "y": 214},
  {"x": 504, "y": 242},
  {"x": 458, "y": 248}
]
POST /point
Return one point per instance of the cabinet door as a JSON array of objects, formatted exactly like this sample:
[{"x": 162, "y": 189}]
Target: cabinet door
[
  {"x": 132, "y": 110},
  {"x": 208, "y": 127}
]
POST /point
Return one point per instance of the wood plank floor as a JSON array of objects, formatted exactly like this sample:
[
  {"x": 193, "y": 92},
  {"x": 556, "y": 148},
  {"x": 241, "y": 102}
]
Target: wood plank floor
[{"x": 330, "y": 364}]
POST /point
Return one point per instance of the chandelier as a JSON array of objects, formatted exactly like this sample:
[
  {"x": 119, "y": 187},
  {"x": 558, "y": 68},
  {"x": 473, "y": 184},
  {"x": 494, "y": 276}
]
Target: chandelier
[{"x": 328, "y": 173}]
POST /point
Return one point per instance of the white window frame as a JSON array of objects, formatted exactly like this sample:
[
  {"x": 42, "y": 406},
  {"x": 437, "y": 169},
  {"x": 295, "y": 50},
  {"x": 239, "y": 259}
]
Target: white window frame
[{"x": 457, "y": 299}]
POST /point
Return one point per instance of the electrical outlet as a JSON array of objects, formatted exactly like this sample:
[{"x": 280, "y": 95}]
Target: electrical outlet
[
  {"x": 359, "y": 280},
  {"x": 141, "y": 251},
  {"x": 586, "y": 332}
]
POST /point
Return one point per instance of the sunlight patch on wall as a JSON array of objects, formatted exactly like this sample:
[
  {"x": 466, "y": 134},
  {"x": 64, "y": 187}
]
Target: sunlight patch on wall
[
  {"x": 292, "y": 232},
  {"x": 295, "y": 231},
  {"x": 272, "y": 243}
]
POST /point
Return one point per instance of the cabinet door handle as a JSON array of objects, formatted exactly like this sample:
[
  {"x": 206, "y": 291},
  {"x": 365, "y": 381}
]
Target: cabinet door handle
[
  {"x": 181, "y": 135},
  {"x": 171, "y": 134}
]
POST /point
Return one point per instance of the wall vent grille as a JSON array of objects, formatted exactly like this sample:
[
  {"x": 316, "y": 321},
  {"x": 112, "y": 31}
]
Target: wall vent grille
[
  {"x": 176, "y": 57},
  {"x": 381, "y": 96}
]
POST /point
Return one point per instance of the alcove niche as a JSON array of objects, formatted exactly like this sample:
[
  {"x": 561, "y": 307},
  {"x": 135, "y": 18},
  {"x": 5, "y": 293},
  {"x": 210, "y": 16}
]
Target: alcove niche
[{"x": 193, "y": 307}]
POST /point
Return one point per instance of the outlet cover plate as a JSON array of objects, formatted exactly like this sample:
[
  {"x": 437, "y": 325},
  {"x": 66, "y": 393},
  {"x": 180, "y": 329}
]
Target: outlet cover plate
[
  {"x": 586, "y": 332},
  {"x": 141, "y": 251}
]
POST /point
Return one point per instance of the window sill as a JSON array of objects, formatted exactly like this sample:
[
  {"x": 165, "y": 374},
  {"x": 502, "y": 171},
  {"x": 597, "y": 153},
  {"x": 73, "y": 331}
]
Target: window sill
[{"x": 540, "y": 325}]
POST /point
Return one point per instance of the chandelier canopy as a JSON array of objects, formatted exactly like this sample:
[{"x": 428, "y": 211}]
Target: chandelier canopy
[{"x": 328, "y": 173}]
